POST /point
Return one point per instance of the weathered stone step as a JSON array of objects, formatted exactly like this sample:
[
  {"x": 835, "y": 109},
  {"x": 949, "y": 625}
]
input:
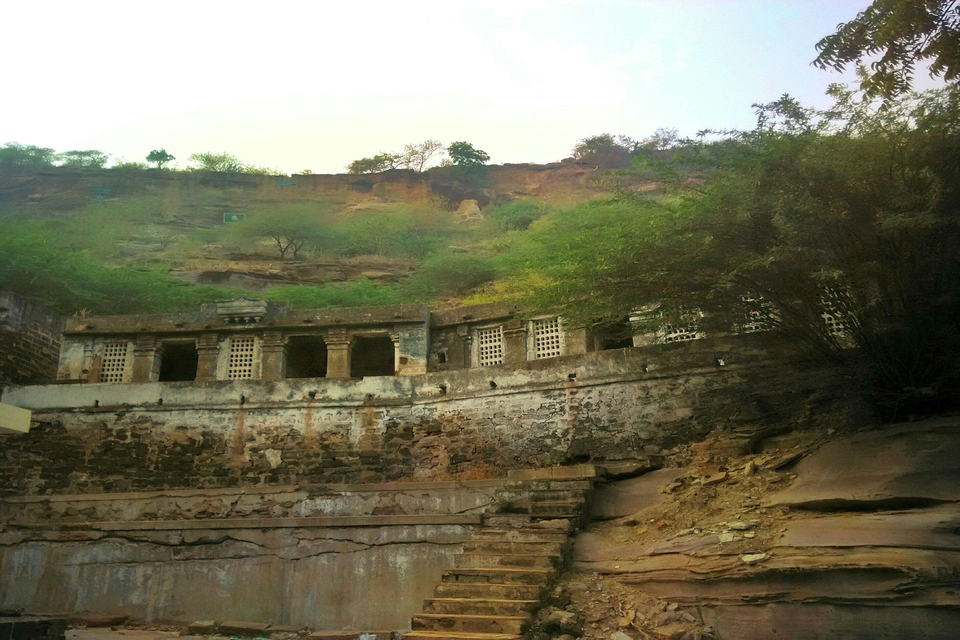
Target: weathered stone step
[
  {"x": 562, "y": 493},
  {"x": 546, "y": 508},
  {"x": 498, "y": 575},
  {"x": 553, "y": 547},
  {"x": 487, "y": 590},
  {"x": 480, "y": 607},
  {"x": 525, "y": 534},
  {"x": 474, "y": 559},
  {"x": 475, "y": 624},
  {"x": 458, "y": 635},
  {"x": 501, "y": 524}
]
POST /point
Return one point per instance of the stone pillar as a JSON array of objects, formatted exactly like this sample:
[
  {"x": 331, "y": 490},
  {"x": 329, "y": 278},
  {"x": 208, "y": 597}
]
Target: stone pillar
[
  {"x": 467, "y": 351},
  {"x": 208, "y": 352},
  {"x": 339, "y": 347},
  {"x": 146, "y": 364},
  {"x": 514, "y": 342},
  {"x": 272, "y": 355}
]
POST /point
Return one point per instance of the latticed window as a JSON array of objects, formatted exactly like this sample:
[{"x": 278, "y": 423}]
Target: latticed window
[
  {"x": 490, "y": 346},
  {"x": 689, "y": 330},
  {"x": 757, "y": 315},
  {"x": 547, "y": 338},
  {"x": 240, "y": 365},
  {"x": 835, "y": 312},
  {"x": 113, "y": 367}
]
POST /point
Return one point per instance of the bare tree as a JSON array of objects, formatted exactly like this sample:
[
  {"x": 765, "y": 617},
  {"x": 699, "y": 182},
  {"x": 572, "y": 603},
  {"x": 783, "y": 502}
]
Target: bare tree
[{"x": 416, "y": 156}]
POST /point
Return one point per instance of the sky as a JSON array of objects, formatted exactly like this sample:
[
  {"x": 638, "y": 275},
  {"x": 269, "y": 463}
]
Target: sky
[{"x": 314, "y": 85}]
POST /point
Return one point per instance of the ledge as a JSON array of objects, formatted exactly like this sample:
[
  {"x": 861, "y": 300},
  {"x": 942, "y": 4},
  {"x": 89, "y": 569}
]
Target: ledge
[{"x": 262, "y": 523}]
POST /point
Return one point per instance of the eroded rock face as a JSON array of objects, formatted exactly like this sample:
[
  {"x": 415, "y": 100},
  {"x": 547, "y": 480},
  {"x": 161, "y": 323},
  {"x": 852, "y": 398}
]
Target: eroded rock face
[
  {"x": 902, "y": 465},
  {"x": 883, "y": 563},
  {"x": 625, "y": 497}
]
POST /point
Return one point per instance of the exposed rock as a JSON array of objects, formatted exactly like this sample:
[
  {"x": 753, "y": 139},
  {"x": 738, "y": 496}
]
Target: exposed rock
[
  {"x": 102, "y": 620},
  {"x": 754, "y": 558},
  {"x": 625, "y": 497}
]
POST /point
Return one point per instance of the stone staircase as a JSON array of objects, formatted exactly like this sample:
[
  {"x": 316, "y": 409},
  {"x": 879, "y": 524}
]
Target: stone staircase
[{"x": 498, "y": 582}]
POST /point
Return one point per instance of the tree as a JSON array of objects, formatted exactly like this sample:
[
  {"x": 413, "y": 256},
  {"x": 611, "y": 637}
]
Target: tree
[
  {"x": 160, "y": 157},
  {"x": 416, "y": 156},
  {"x": 290, "y": 227},
  {"x": 463, "y": 154},
  {"x": 904, "y": 33},
  {"x": 377, "y": 164},
  {"x": 90, "y": 158},
  {"x": 26, "y": 155},
  {"x": 854, "y": 211},
  {"x": 605, "y": 150},
  {"x": 219, "y": 162}
]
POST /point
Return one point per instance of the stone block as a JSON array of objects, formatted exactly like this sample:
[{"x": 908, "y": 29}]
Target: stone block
[
  {"x": 102, "y": 620},
  {"x": 243, "y": 628},
  {"x": 574, "y": 472},
  {"x": 202, "y": 628}
]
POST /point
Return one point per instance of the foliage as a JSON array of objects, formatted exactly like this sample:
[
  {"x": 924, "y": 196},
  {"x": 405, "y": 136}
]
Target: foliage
[
  {"x": 34, "y": 266},
  {"x": 360, "y": 293},
  {"x": 378, "y": 163},
  {"x": 416, "y": 156},
  {"x": 406, "y": 232},
  {"x": 906, "y": 34},
  {"x": 122, "y": 164},
  {"x": 854, "y": 203},
  {"x": 160, "y": 157},
  {"x": 450, "y": 274},
  {"x": 27, "y": 155},
  {"x": 290, "y": 227},
  {"x": 515, "y": 215},
  {"x": 605, "y": 150},
  {"x": 90, "y": 158},
  {"x": 463, "y": 154}
]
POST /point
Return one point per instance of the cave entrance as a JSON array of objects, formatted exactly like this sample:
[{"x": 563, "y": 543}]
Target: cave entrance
[
  {"x": 178, "y": 362},
  {"x": 306, "y": 357},
  {"x": 372, "y": 357}
]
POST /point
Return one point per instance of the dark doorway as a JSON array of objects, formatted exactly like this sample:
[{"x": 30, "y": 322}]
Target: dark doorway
[
  {"x": 372, "y": 357},
  {"x": 178, "y": 362},
  {"x": 613, "y": 335},
  {"x": 306, "y": 357}
]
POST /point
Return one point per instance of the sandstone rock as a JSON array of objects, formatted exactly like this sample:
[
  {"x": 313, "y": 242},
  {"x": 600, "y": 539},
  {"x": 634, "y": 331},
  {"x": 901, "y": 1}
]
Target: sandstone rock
[
  {"x": 619, "y": 635},
  {"x": 667, "y": 617},
  {"x": 754, "y": 558},
  {"x": 739, "y": 525},
  {"x": 626, "y": 497},
  {"x": 716, "y": 478},
  {"x": 202, "y": 628},
  {"x": 727, "y": 537},
  {"x": 243, "y": 628}
]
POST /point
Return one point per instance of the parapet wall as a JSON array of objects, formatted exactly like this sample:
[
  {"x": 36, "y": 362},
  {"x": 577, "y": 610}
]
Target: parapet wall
[{"x": 476, "y": 423}]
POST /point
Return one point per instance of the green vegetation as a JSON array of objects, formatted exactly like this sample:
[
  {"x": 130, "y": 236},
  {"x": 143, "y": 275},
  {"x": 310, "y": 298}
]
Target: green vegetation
[
  {"x": 160, "y": 157},
  {"x": 903, "y": 35},
  {"x": 413, "y": 156},
  {"x": 463, "y": 154}
]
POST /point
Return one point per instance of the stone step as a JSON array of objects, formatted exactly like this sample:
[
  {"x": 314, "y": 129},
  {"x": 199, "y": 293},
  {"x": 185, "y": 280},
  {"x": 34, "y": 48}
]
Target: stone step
[
  {"x": 544, "y": 484},
  {"x": 498, "y": 575},
  {"x": 475, "y": 624},
  {"x": 546, "y": 508},
  {"x": 480, "y": 607},
  {"x": 474, "y": 559},
  {"x": 550, "y": 548},
  {"x": 458, "y": 635},
  {"x": 488, "y": 590},
  {"x": 563, "y": 493},
  {"x": 525, "y": 534}
]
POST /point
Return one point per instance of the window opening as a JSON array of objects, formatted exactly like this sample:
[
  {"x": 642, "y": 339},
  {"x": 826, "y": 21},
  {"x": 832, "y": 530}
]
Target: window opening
[
  {"x": 756, "y": 315},
  {"x": 113, "y": 367},
  {"x": 306, "y": 357},
  {"x": 490, "y": 346},
  {"x": 373, "y": 357},
  {"x": 690, "y": 330},
  {"x": 179, "y": 362},
  {"x": 240, "y": 365},
  {"x": 835, "y": 311},
  {"x": 547, "y": 338}
]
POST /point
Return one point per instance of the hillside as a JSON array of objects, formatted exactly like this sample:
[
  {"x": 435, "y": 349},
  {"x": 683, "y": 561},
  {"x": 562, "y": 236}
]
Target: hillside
[{"x": 364, "y": 236}]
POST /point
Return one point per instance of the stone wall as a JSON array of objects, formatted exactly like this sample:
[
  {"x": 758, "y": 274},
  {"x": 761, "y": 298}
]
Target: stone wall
[
  {"x": 475, "y": 423},
  {"x": 307, "y": 556},
  {"x": 29, "y": 341}
]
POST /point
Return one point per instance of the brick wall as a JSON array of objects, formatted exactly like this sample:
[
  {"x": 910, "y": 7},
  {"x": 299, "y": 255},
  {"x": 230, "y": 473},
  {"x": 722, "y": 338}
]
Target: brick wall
[{"x": 29, "y": 342}]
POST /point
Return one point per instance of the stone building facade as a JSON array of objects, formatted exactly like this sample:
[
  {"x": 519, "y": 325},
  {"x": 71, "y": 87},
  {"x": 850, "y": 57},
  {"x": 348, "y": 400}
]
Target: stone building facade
[
  {"x": 29, "y": 341},
  {"x": 247, "y": 339}
]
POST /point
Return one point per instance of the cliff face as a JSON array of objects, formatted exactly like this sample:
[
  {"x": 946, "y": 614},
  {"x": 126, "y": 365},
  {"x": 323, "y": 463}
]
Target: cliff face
[
  {"x": 194, "y": 194},
  {"x": 191, "y": 201}
]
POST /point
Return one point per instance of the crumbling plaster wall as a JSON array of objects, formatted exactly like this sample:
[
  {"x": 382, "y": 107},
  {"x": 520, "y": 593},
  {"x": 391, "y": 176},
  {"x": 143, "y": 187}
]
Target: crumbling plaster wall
[{"x": 472, "y": 423}]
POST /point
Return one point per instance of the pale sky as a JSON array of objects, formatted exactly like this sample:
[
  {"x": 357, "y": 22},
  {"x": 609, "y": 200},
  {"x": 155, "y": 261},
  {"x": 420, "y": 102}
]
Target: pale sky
[{"x": 314, "y": 85}]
